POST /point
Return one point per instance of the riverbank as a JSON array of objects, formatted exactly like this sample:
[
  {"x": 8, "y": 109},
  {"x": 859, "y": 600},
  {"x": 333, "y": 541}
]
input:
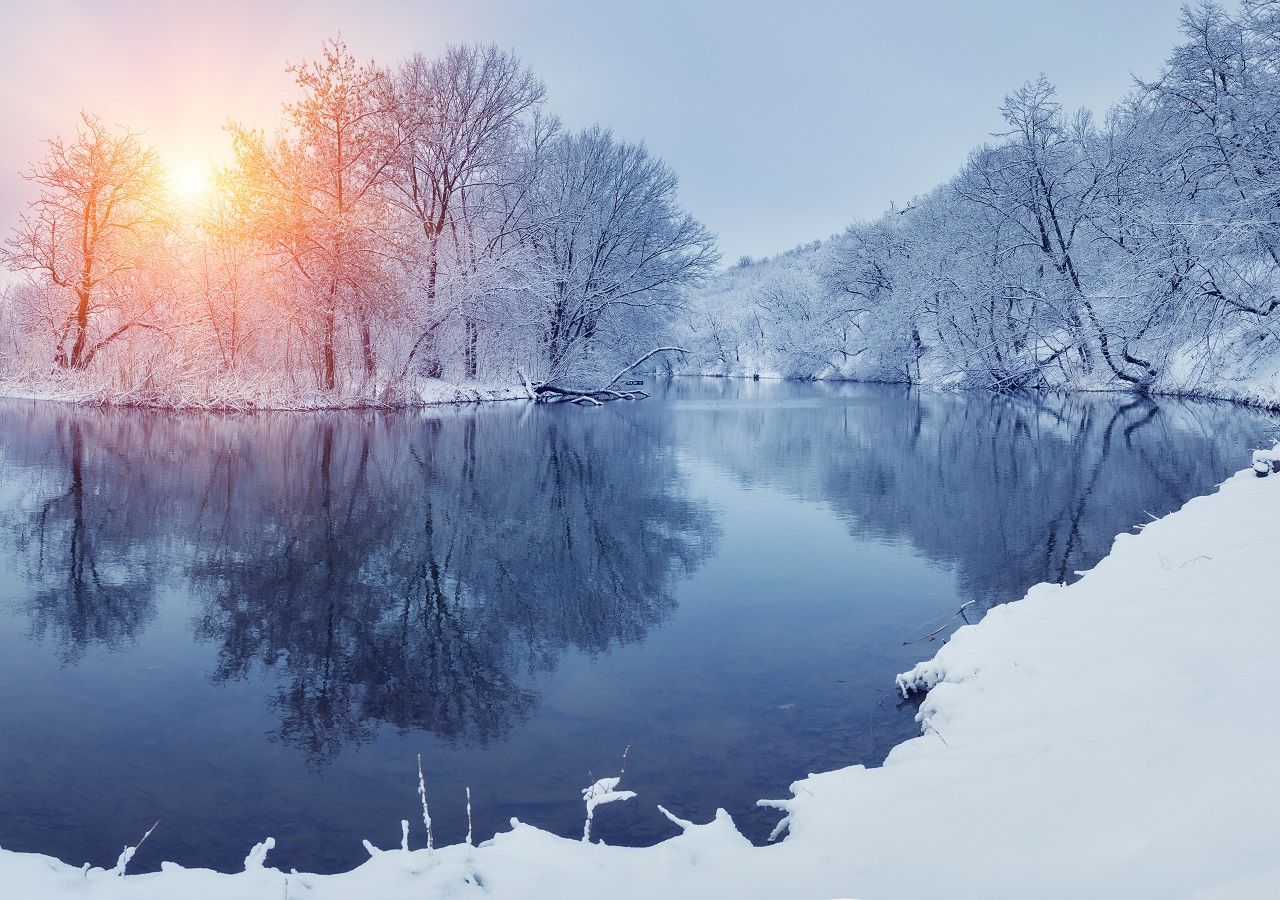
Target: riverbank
[
  {"x": 1095, "y": 738},
  {"x": 1261, "y": 393},
  {"x": 259, "y": 396},
  {"x": 1256, "y": 393}
]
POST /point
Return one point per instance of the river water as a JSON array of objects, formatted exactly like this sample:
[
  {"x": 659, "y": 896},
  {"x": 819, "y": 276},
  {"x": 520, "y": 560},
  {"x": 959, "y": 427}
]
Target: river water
[{"x": 251, "y": 625}]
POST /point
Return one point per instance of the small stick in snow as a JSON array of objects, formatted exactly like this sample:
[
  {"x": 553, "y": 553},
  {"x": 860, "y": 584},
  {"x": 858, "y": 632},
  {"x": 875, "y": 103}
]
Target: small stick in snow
[
  {"x": 127, "y": 854},
  {"x": 603, "y": 791},
  {"x": 258, "y": 855},
  {"x": 682, "y": 824},
  {"x": 468, "y": 815},
  {"x": 426, "y": 814}
]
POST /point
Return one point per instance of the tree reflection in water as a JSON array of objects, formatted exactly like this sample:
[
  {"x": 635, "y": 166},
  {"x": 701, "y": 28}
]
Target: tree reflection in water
[
  {"x": 1010, "y": 490},
  {"x": 88, "y": 582},
  {"x": 388, "y": 569},
  {"x": 377, "y": 578}
]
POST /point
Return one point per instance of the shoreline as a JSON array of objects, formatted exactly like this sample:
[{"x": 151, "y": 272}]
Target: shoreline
[
  {"x": 463, "y": 394},
  {"x": 1249, "y": 401},
  {"x": 1066, "y": 746},
  {"x": 430, "y": 394}
]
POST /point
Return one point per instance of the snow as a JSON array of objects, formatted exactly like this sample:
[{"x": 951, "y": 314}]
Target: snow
[
  {"x": 258, "y": 855},
  {"x": 1107, "y": 738},
  {"x": 263, "y": 394},
  {"x": 1266, "y": 461},
  {"x": 602, "y": 791}
]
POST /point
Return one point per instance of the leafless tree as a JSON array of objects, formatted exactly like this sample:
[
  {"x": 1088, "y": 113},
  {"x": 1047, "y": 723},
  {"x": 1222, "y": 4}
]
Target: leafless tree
[
  {"x": 97, "y": 217},
  {"x": 618, "y": 250},
  {"x": 460, "y": 119},
  {"x": 317, "y": 194}
]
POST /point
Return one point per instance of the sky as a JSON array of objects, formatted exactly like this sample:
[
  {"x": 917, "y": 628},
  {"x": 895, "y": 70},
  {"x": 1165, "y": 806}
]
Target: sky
[{"x": 785, "y": 120}]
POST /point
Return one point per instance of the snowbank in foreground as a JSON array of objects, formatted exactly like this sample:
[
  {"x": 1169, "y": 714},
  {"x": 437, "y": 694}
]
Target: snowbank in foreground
[{"x": 1103, "y": 739}]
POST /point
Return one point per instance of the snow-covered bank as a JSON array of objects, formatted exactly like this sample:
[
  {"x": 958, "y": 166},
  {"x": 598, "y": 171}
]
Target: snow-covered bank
[
  {"x": 262, "y": 395},
  {"x": 1258, "y": 393},
  {"x": 1098, "y": 738}
]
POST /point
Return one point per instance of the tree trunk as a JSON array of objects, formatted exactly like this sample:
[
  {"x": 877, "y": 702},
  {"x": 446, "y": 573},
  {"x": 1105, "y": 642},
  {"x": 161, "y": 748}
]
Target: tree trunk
[
  {"x": 366, "y": 349},
  {"x": 472, "y": 339},
  {"x": 328, "y": 363},
  {"x": 433, "y": 367},
  {"x": 82, "y": 329},
  {"x": 330, "y": 379}
]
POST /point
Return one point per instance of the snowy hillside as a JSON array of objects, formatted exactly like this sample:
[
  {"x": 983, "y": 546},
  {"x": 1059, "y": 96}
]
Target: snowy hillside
[{"x": 1133, "y": 251}]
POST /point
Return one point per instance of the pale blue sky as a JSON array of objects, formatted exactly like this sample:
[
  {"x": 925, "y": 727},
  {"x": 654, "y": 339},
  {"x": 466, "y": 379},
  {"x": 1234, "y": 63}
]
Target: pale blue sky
[{"x": 785, "y": 120}]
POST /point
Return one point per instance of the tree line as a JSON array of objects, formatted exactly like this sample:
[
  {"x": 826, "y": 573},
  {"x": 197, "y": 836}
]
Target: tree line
[
  {"x": 1138, "y": 251},
  {"x": 427, "y": 220}
]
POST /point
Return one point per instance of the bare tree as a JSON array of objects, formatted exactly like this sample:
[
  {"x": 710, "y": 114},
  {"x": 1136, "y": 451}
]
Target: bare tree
[
  {"x": 317, "y": 193},
  {"x": 618, "y": 251},
  {"x": 98, "y": 213},
  {"x": 397, "y": 223},
  {"x": 1136, "y": 252},
  {"x": 460, "y": 119}
]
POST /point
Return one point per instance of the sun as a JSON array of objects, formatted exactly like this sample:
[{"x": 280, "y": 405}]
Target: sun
[{"x": 188, "y": 181}]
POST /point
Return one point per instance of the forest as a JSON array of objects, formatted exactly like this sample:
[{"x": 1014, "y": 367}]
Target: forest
[
  {"x": 430, "y": 231},
  {"x": 1136, "y": 252},
  {"x": 425, "y": 222}
]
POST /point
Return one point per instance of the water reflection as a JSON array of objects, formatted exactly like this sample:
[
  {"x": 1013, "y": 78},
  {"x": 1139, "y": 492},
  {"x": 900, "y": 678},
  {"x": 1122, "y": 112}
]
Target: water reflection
[
  {"x": 1009, "y": 490},
  {"x": 724, "y": 574},
  {"x": 88, "y": 581},
  {"x": 406, "y": 569},
  {"x": 387, "y": 569}
]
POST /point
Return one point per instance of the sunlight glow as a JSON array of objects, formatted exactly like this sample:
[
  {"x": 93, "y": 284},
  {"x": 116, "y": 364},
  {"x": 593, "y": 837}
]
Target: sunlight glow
[{"x": 188, "y": 181}]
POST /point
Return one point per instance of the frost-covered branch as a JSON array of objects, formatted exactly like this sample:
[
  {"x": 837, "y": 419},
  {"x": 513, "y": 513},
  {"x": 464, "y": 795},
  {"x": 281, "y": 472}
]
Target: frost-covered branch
[
  {"x": 126, "y": 855},
  {"x": 602, "y": 791}
]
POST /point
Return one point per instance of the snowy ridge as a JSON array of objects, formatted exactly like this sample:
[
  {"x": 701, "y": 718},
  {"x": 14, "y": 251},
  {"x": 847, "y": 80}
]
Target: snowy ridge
[{"x": 1090, "y": 740}]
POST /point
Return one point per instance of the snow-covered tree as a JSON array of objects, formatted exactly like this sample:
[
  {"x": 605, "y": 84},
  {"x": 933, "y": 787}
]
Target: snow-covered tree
[
  {"x": 1139, "y": 251},
  {"x": 617, "y": 251},
  {"x": 85, "y": 241}
]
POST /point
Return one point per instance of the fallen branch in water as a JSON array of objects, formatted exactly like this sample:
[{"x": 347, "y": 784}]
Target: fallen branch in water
[
  {"x": 547, "y": 392},
  {"x": 943, "y": 626}
]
